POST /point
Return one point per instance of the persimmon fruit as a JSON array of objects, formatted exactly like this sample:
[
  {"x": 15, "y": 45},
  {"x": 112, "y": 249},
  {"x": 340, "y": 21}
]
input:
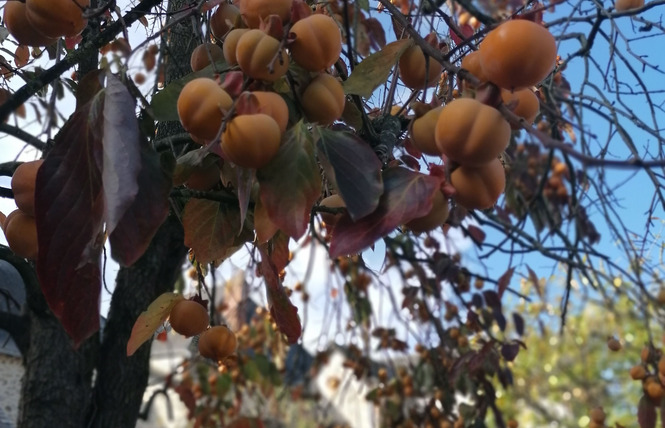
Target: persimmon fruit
[
  {"x": 624, "y": 5},
  {"x": 524, "y": 103},
  {"x": 17, "y": 23},
  {"x": 189, "y": 318},
  {"x": 471, "y": 62},
  {"x": 203, "y": 53},
  {"x": 437, "y": 215},
  {"x": 223, "y": 19},
  {"x": 230, "y": 45},
  {"x": 422, "y": 132},
  {"x": 478, "y": 187},
  {"x": 518, "y": 54},
  {"x": 217, "y": 343},
  {"x": 470, "y": 132},
  {"x": 254, "y": 11},
  {"x": 57, "y": 18},
  {"x": 274, "y": 106},
  {"x": 323, "y": 100},
  {"x": 251, "y": 140},
  {"x": 21, "y": 233},
  {"x": 318, "y": 42},
  {"x": 332, "y": 201},
  {"x": 414, "y": 70},
  {"x": 259, "y": 56},
  {"x": 200, "y": 107},
  {"x": 23, "y": 185}
]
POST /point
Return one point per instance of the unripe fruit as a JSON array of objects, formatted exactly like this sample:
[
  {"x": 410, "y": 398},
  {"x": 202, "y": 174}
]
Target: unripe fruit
[
  {"x": 624, "y": 5},
  {"x": 18, "y": 25},
  {"x": 253, "y": 11},
  {"x": 200, "y": 107},
  {"x": 189, "y": 318},
  {"x": 273, "y": 105},
  {"x": 217, "y": 343},
  {"x": 422, "y": 132},
  {"x": 21, "y": 233},
  {"x": 471, "y": 133},
  {"x": 202, "y": 54},
  {"x": 230, "y": 45},
  {"x": 23, "y": 185},
  {"x": 435, "y": 218},
  {"x": 526, "y": 104},
  {"x": 323, "y": 99},
  {"x": 638, "y": 372},
  {"x": 223, "y": 19},
  {"x": 478, "y": 187},
  {"x": 412, "y": 66},
  {"x": 318, "y": 42},
  {"x": 251, "y": 140},
  {"x": 259, "y": 56},
  {"x": 518, "y": 54},
  {"x": 56, "y": 18}
]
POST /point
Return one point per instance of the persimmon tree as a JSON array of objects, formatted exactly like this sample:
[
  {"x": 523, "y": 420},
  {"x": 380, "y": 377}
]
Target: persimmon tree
[{"x": 397, "y": 131}]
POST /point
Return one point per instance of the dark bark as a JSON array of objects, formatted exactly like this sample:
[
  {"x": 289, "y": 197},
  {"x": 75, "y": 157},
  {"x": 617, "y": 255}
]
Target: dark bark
[{"x": 121, "y": 380}]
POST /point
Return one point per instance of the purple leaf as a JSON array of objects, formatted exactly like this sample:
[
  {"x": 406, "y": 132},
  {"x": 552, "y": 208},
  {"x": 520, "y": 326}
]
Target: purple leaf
[
  {"x": 504, "y": 281},
  {"x": 646, "y": 413},
  {"x": 519, "y": 323},
  {"x": 354, "y": 168},
  {"x": 407, "y": 195},
  {"x": 122, "y": 152},
  {"x": 69, "y": 210},
  {"x": 509, "y": 351}
]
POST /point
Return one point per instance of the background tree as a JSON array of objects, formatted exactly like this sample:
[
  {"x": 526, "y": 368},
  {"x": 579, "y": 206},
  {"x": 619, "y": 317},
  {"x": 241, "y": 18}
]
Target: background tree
[{"x": 413, "y": 147}]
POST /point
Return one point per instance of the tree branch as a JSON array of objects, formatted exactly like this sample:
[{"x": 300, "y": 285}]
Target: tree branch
[
  {"x": 22, "y": 135},
  {"x": 75, "y": 57},
  {"x": 18, "y": 327}
]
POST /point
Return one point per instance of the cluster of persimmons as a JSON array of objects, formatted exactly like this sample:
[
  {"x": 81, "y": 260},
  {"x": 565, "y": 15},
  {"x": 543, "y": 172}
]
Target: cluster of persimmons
[{"x": 43, "y": 22}]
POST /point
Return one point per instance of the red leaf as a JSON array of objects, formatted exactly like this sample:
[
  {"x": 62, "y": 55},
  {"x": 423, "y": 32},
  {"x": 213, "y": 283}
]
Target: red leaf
[
  {"x": 282, "y": 310},
  {"x": 377, "y": 35},
  {"x": 69, "y": 209},
  {"x": 504, "y": 281},
  {"x": 291, "y": 183},
  {"x": 534, "y": 280},
  {"x": 476, "y": 234},
  {"x": 71, "y": 42},
  {"x": 280, "y": 250},
  {"x": 646, "y": 413},
  {"x": 150, "y": 320},
  {"x": 210, "y": 228},
  {"x": 407, "y": 195},
  {"x": 265, "y": 228},
  {"x": 354, "y": 168},
  {"x": 245, "y": 178},
  {"x": 466, "y": 30}
]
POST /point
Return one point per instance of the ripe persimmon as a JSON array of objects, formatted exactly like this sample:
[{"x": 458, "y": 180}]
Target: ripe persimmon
[
  {"x": 21, "y": 233},
  {"x": 478, "y": 187},
  {"x": 518, "y": 54},
  {"x": 253, "y": 11},
  {"x": 259, "y": 56},
  {"x": 435, "y": 218},
  {"x": 274, "y": 106},
  {"x": 412, "y": 66},
  {"x": 200, "y": 107},
  {"x": 318, "y": 42},
  {"x": 189, "y": 318},
  {"x": 471, "y": 62},
  {"x": 202, "y": 54},
  {"x": 624, "y": 5},
  {"x": 230, "y": 45},
  {"x": 422, "y": 132},
  {"x": 217, "y": 343},
  {"x": 470, "y": 132},
  {"x": 251, "y": 140},
  {"x": 223, "y": 19},
  {"x": 23, "y": 185},
  {"x": 524, "y": 102},
  {"x": 57, "y": 18},
  {"x": 18, "y": 25},
  {"x": 323, "y": 100}
]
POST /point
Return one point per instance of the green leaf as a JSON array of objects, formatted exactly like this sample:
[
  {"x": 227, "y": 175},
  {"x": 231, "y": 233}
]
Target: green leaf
[
  {"x": 291, "y": 183},
  {"x": 375, "y": 69},
  {"x": 151, "y": 319},
  {"x": 363, "y": 4}
]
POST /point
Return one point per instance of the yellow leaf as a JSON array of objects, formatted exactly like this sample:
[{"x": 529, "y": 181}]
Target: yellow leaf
[{"x": 151, "y": 319}]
